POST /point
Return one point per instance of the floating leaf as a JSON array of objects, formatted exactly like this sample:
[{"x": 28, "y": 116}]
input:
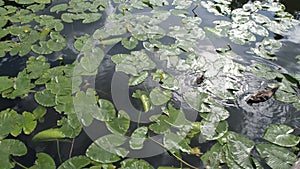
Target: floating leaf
[
  {"x": 36, "y": 66},
  {"x": 5, "y": 83},
  {"x": 45, "y": 98},
  {"x": 106, "y": 149},
  {"x": 120, "y": 124},
  {"x": 59, "y": 8},
  {"x": 135, "y": 164},
  {"x": 275, "y": 156},
  {"x": 142, "y": 95},
  {"x": 281, "y": 135},
  {"x": 91, "y": 17},
  {"x": 173, "y": 142},
  {"x": 86, "y": 106},
  {"x": 110, "y": 41},
  {"x": 134, "y": 63},
  {"x": 159, "y": 97},
  {"x": 39, "y": 113},
  {"x": 129, "y": 43},
  {"x": 42, "y": 48},
  {"x": 238, "y": 149},
  {"x": 48, "y": 135},
  {"x": 138, "y": 137},
  {"x": 196, "y": 100},
  {"x": 10, "y": 147},
  {"x": 9, "y": 121},
  {"x": 213, "y": 157},
  {"x": 29, "y": 122},
  {"x": 44, "y": 161},
  {"x": 75, "y": 162},
  {"x": 136, "y": 80}
]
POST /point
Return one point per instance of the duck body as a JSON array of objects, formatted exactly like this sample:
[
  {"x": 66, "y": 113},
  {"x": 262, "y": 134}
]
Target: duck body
[{"x": 262, "y": 95}]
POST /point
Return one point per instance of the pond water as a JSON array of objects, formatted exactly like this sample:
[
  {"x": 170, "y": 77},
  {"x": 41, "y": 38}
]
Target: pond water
[{"x": 207, "y": 74}]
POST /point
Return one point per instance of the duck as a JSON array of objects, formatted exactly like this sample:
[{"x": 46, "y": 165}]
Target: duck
[{"x": 262, "y": 95}]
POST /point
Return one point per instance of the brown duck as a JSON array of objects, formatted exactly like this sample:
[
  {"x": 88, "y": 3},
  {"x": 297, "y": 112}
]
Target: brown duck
[{"x": 262, "y": 95}]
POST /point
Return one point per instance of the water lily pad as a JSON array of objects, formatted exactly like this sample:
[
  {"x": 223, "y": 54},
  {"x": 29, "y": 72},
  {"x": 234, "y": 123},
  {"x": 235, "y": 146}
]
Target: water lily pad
[
  {"x": 42, "y": 48},
  {"x": 59, "y": 8},
  {"x": 238, "y": 149},
  {"x": 10, "y": 147},
  {"x": 138, "y": 137},
  {"x": 129, "y": 43},
  {"x": 10, "y": 120},
  {"x": 44, "y": 161},
  {"x": 134, "y": 63},
  {"x": 86, "y": 106},
  {"x": 159, "y": 97},
  {"x": 281, "y": 135},
  {"x": 213, "y": 157},
  {"x": 110, "y": 145},
  {"x": 29, "y": 122},
  {"x": 196, "y": 100},
  {"x": 275, "y": 156},
  {"x": 136, "y": 80},
  {"x": 6, "y": 83},
  {"x": 135, "y": 164},
  {"x": 173, "y": 142},
  {"x": 45, "y": 98},
  {"x": 36, "y": 66},
  {"x": 143, "y": 96},
  {"x": 77, "y": 162},
  {"x": 49, "y": 135},
  {"x": 120, "y": 124}
]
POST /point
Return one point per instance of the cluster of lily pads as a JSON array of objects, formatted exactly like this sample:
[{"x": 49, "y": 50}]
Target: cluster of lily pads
[{"x": 65, "y": 88}]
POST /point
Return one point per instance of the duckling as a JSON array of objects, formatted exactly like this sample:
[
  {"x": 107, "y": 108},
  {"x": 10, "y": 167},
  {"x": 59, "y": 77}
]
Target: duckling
[{"x": 262, "y": 95}]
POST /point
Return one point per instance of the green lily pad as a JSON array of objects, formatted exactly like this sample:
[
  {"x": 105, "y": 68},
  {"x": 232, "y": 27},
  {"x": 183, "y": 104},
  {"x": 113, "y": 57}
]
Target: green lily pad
[
  {"x": 29, "y": 122},
  {"x": 107, "y": 149},
  {"x": 42, "y": 48},
  {"x": 275, "y": 156},
  {"x": 36, "y": 66},
  {"x": 10, "y": 147},
  {"x": 281, "y": 135},
  {"x": 39, "y": 113},
  {"x": 45, "y": 98},
  {"x": 136, "y": 80},
  {"x": 159, "y": 97},
  {"x": 237, "y": 150},
  {"x": 59, "y": 8},
  {"x": 43, "y": 161},
  {"x": 138, "y": 137},
  {"x": 135, "y": 164},
  {"x": 120, "y": 124},
  {"x": 49, "y": 135},
  {"x": 213, "y": 157},
  {"x": 134, "y": 63},
  {"x": 91, "y": 17},
  {"x": 5, "y": 83},
  {"x": 173, "y": 142},
  {"x": 129, "y": 43},
  {"x": 196, "y": 100},
  {"x": 77, "y": 162},
  {"x": 9, "y": 121},
  {"x": 86, "y": 106},
  {"x": 143, "y": 96}
]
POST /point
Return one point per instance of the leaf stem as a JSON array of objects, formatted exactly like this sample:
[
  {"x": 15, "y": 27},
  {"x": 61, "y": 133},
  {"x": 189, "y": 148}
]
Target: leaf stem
[
  {"x": 71, "y": 149},
  {"x": 19, "y": 164},
  {"x": 58, "y": 150},
  {"x": 178, "y": 158}
]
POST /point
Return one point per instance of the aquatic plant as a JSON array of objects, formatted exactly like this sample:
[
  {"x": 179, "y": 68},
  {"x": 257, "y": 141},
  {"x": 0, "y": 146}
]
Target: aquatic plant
[{"x": 181, "y": 82}]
